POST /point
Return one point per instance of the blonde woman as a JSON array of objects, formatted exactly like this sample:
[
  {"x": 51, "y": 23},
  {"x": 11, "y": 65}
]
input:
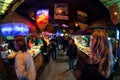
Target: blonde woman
[{"x": 100, "y": 63}]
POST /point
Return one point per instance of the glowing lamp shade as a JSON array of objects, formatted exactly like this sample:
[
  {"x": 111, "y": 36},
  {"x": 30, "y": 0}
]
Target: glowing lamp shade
[
  {"x": 14, "y": 29},
  {"x": 42, "y": 17}
]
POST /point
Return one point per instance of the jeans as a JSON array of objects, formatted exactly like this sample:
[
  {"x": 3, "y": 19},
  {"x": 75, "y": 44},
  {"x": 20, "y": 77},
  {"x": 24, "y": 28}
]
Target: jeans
[
  {"x": 71, "y": 63},
  {"x": 54, "y": 54}
]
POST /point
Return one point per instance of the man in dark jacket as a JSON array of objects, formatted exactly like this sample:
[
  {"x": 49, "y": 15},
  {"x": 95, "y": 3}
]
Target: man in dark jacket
[{"x": 71, "y": 53}]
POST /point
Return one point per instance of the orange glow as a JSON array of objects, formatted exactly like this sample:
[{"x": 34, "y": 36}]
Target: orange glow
[
  {"x": 42, "y": 18},
  {"x": 42, "y": 21}
]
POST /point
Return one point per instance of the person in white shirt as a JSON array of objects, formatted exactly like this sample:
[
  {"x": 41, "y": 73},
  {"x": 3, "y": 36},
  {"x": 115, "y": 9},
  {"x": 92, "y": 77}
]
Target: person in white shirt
[{"x": 24, "y": 64}]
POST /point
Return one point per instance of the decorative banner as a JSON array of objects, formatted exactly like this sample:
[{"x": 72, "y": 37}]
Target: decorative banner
[
  {"x": 42, "y": 17},
  {"x": 61, "y": 11},
  {"x": 114, "y": 13}
]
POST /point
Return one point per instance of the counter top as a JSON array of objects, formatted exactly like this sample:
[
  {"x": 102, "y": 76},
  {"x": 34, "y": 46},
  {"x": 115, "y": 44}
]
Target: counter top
[{"x": 33, "y": 51}]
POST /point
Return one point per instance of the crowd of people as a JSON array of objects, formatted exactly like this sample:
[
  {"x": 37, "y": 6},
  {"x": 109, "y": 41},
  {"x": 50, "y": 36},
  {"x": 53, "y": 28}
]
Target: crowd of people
[{"x": 98, "y": 67}]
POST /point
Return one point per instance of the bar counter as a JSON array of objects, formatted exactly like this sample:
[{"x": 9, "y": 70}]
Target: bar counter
[
  {"x": 82, "y": 59},
  {"x": 10, "y": 69}
]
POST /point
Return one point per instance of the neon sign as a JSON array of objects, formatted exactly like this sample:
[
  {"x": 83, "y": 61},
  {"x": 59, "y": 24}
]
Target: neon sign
[
  {"x": 14, "y": 29},
  {"x": 42, "y": 17}
]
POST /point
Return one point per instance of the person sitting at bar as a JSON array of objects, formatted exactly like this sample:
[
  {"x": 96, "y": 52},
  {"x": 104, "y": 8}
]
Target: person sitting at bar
[{"x": 100, "y": 63}]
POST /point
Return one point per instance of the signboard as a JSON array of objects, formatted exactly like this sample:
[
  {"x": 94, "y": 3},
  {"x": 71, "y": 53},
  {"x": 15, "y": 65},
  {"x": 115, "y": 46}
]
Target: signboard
[
  {"x": 82, "y": 17},
  {"x": 61, "y": 11},
  {"x": 42, "y": 17},
  {"x": 114, "y": 13},
  {"x": 14, "y": 29},
  {"x": 112, "y": 32}
]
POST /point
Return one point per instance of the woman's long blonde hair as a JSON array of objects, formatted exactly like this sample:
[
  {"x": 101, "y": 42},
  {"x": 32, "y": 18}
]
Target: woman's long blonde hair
[{"x": 100, "y": 51}]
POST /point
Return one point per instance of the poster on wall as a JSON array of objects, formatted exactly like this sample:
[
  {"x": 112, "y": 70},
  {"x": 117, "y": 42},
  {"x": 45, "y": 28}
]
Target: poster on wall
[
  {"x": 42, "y": 17},
  {"x": 61, "y": 11},
  {"x": 114, "y": 13}
]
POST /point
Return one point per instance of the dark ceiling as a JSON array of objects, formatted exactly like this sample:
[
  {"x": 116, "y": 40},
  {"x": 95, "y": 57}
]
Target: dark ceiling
[{"x": 94, "y": 8}]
